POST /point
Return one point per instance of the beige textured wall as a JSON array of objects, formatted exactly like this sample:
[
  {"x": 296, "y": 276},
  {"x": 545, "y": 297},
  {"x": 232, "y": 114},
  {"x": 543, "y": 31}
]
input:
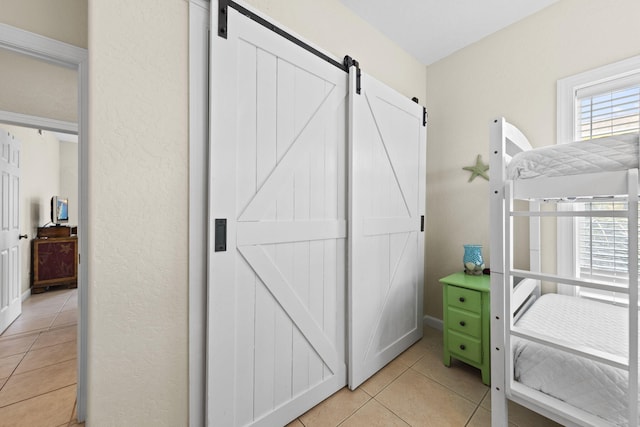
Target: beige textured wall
[
  {"x": 138, "y": 285},
  {"x": 511, "y": 73},
  {"x": 64, "y": 20},
  {"x": 33, "y": 87},
  {"x": 40, "y": 180}
]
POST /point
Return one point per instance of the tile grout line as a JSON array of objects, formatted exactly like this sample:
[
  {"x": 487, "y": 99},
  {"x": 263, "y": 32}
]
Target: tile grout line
[
  {"x": 476, "y": 409},
  {"x": 16, "y": 367},
  {"x": 355, "y": 410},
  {"x": 43, "y": 366},
  {"x": 45, "y": 329},
  {"x": 38, "y": 395},
  {"x": 391, "y": 410},
  {"x": 73, "y": 410}
]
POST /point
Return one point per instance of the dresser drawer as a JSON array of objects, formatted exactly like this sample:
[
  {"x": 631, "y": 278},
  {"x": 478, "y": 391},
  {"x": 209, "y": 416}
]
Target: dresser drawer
[
  {"x": 465, "y": 346},
  {"x": 465, "y": 299},
  {"x": 464, "y": 321}
]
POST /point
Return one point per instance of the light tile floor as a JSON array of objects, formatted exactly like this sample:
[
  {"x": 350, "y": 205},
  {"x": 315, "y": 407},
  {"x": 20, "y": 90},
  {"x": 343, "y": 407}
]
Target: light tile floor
[
  {"x": 38, "y": 381},
  {"x": 417, "y": 390},
  {"x": 38, "y": 363}
]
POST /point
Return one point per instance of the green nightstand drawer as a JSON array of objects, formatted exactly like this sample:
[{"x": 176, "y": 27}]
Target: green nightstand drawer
[
  {"x": 465, "y": 299},
  {"x": 465, "y": 322},
  {"x": 465, "y": 346}
]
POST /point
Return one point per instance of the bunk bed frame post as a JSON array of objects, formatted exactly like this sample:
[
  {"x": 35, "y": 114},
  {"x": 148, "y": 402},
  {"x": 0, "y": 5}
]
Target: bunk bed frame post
[
  {"x": 632, "y": 224},
  {"x": 497, "y": 146}
]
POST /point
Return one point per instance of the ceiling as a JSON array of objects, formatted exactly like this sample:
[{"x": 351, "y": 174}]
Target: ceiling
[{"x": 433, "y": 29}]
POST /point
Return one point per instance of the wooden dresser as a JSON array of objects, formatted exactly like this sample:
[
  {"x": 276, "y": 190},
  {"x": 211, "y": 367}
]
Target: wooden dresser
[{"x": 54, "y": 259}]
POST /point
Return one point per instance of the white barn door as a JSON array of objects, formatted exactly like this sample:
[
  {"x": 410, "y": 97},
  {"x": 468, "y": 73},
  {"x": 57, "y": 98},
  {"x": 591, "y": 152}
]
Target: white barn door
[
  {"x": 387, "y": 145},
  {"x": 10, "y": 298},
  {"x": 276, "y": 325}
]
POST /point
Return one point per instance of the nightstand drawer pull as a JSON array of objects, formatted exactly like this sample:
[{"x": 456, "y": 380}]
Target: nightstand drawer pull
[
  {"x": 465, "y": 321},
  {"x": 469, "y": 348},
  {"x": 466, "y": 299}
]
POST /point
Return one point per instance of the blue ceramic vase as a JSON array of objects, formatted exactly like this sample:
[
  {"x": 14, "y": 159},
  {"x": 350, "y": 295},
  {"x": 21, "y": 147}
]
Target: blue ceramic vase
[{"x": 472, "y": 259}]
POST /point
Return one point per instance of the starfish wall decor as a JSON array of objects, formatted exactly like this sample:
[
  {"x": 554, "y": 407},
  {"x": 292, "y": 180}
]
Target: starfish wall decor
[{"x": 479, "y": 169}]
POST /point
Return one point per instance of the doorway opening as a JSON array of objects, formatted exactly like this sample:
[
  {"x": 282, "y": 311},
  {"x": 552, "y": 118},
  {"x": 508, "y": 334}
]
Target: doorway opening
[{"x": 51, "y": 51}]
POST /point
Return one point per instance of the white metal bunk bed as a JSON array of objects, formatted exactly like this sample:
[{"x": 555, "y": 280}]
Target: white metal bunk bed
[{"x": 578, "y": 373}]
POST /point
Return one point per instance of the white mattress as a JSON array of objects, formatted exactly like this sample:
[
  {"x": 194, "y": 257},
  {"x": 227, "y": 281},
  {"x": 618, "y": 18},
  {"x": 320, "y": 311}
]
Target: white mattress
[
  {"x": 592, "y": 386},
  {"x": 597, "y": 155}
]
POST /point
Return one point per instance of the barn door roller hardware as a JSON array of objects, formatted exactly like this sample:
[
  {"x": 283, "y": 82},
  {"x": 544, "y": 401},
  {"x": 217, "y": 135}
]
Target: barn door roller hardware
[
  {"x": 424, "y": 111},
  {"x": 348, "y": 62},
  {"x": 223, "y": 6}
]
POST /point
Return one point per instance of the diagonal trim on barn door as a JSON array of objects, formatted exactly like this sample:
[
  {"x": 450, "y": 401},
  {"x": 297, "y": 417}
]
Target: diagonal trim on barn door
[
  {"x": 389, "y": 152},
  {"x": 293, "y": 156},
  {"x": 282, "y": 292},
  {"x": 388, "y": 225},
  {"x": 262, "y": 232},
  {"x": 400, "y": 265}
]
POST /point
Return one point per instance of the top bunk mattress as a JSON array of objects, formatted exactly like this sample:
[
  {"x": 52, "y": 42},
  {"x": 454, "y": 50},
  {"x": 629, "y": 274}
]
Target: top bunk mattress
[
  {"x": 592, "y": 386},
  {"x": 597, "y": 155}
]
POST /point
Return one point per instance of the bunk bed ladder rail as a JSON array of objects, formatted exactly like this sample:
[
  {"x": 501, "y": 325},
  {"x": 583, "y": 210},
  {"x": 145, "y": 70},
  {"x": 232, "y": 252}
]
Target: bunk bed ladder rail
[
  {"x": 632, "y": 224},
  {"x": 499, "y": 354},
  {"x": 505, "y": 141},
  {"x": 509, "y": 282}
]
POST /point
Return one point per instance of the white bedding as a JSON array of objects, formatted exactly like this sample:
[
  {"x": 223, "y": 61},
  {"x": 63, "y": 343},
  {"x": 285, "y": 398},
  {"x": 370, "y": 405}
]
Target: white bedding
[
  {"x": 595, "y": 387},
  {"x": 597, "y": 155}
]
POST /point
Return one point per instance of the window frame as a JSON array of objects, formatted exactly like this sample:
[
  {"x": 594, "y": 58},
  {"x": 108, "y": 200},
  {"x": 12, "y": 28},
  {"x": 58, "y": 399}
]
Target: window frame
[{"x": 566, "y": 131}]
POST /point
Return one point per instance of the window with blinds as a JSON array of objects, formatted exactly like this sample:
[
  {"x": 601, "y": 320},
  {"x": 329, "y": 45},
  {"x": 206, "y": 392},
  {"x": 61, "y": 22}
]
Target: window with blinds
[
  {"x": 609, "y": 113},
  {"x": 606, "y": 109}
]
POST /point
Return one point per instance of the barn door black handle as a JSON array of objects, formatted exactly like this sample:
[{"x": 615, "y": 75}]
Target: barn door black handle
[{"x": 220, "y": 231}]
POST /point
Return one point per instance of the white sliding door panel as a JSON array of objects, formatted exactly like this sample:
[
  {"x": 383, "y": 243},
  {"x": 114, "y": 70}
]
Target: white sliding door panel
[
  {"x": 10, "y": 297},
  {"x": 387, "y": 143},
  {"x": 276, "y": 324}
]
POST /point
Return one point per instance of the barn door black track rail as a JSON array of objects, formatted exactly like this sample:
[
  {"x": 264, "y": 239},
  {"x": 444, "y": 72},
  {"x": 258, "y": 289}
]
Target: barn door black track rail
[
  {"x": 223, "y": 13},
  {"x": 223, "y": 9}
]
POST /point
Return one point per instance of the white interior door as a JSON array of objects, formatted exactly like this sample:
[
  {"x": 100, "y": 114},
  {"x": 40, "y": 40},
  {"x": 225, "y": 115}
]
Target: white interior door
[
  {"x": 387, "y": 143},
  {"x": 10, "y": 298},
  {"x": 276, "y": 324}
]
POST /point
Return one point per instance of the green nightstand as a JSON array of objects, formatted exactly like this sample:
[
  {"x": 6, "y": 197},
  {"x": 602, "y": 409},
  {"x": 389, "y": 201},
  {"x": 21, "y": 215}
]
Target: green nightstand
[{"x": 466, "y": 309}]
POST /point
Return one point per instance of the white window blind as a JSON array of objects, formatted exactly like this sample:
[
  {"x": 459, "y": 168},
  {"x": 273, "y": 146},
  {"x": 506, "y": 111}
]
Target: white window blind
[
  {"x": 608, "y": 113},
  {"x": 601, "y": 241}
]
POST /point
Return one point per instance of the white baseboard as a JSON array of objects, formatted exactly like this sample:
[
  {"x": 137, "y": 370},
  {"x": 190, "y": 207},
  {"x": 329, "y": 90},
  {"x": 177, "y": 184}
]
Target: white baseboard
[
  {"x": 432, "y": 322},
  {"x": 26, "y": 294}
]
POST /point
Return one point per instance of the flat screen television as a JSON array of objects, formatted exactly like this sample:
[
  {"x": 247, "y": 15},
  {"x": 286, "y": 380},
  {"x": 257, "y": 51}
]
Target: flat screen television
[{"x": 59, "y": 210}]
